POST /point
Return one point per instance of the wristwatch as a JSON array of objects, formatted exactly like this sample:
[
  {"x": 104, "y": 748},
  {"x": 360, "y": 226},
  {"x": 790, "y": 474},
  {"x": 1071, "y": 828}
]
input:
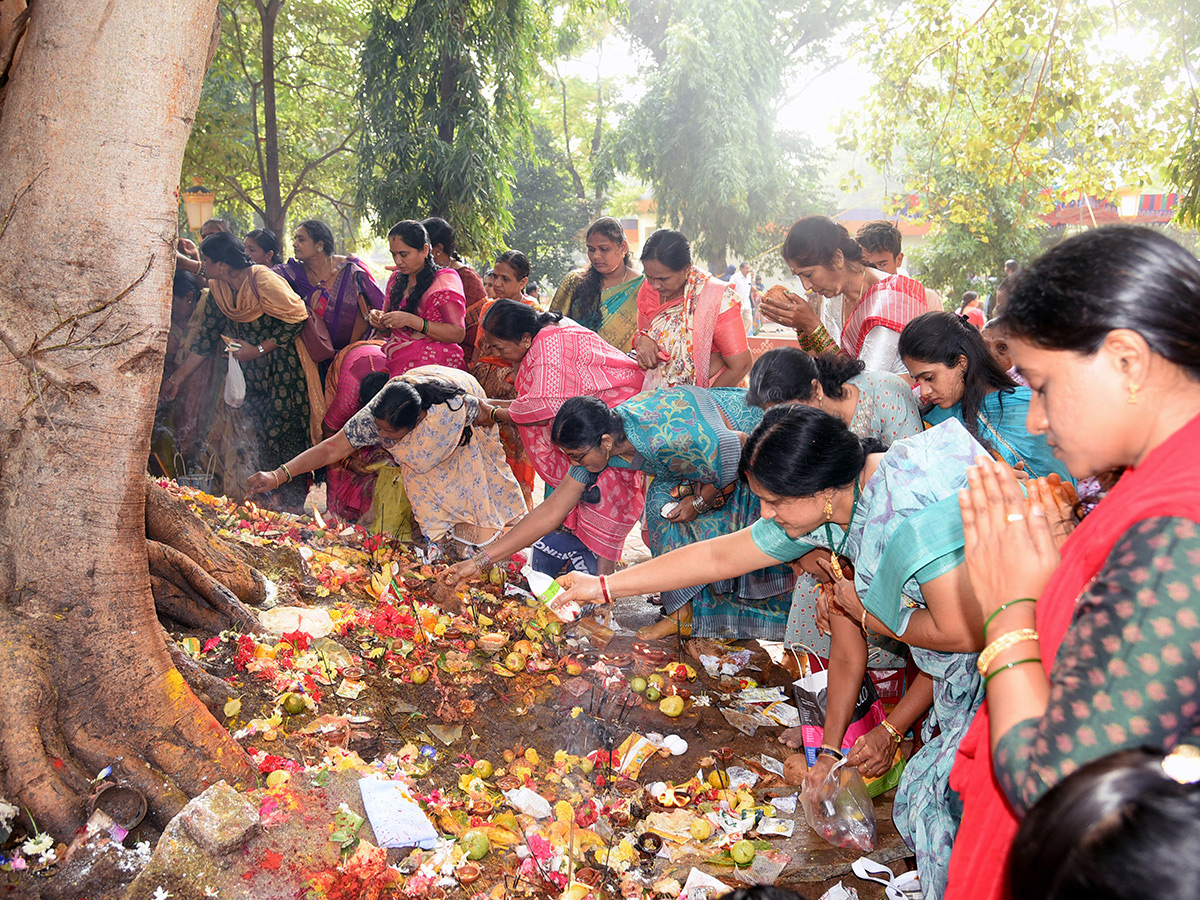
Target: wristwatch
[{"x": 261, "y": 351}]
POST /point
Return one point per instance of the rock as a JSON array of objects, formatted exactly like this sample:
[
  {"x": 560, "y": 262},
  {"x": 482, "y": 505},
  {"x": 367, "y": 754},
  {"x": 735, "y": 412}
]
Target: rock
[
  {"x": 220, "y": 820},
  {"x": 101, "y": 869}
]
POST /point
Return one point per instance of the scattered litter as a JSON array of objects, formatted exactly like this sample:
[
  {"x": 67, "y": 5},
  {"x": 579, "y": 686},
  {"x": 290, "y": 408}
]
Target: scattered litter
[
  {"x": 776, "y": 827},
  {"x": 395, "y": 817},
  {"x": 315, "y": 622},
  {"x": 896, "y": 887},
  {"x": 771, "y": 764},
  {"x": 766, "y": 868},
  {"x": 701, "y": 886},
  {"x": 529, "y": 802},
  {"x": 785, "y": 804},
  {"x": 747, "y": 720},
  {"x": 447, "y": 734},
  {"x": 633, "y": 753},
  {"x": 839, "y": 892}
]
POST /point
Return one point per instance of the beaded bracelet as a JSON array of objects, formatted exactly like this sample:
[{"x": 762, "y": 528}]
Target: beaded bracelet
[
  {"x": 1006, "y": 666},
  {"x": 1000, "y": 609},
  {"x": 604, "y": 590},
  {"x": 897, "y": 737},
  {"x": 1000, "y": 644}
]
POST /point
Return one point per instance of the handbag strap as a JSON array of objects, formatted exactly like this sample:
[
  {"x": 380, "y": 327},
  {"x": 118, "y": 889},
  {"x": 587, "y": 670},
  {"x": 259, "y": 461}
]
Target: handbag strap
[{"x": 812, "y": 654}]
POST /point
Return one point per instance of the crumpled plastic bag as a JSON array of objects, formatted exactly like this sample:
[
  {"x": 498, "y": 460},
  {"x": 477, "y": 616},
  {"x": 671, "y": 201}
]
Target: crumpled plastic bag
[
  {"x": 840, "y": 810},
  {"x": 905, "y": 886},
  {"x": 235, "y": 383}
]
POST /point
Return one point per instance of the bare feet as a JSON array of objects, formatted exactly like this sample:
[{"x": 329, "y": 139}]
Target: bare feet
[
  {"x": 679, "y": 621},
  {"x": 792, "y": 737}
]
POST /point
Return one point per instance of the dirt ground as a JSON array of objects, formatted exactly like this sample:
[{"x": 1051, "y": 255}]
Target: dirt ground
[{"x": 402, "y": 687}]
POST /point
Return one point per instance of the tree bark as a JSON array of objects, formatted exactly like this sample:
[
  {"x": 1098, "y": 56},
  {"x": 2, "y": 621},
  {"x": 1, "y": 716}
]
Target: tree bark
[
  {"x": 169, "y": 521},
  {"x": 88, "y": 197}
]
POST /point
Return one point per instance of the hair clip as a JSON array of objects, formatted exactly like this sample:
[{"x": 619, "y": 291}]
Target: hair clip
[{"x": 1183, "y": 764}]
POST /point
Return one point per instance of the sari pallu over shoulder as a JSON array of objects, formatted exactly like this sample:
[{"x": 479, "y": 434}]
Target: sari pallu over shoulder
[
  {"x": 891, "y": 303},
  {"x": 337, "y": 305},
  {"x": 565, "y": 361},
  {"x": 1166, "y": 484},
  {"x": 698, "y": 310}
]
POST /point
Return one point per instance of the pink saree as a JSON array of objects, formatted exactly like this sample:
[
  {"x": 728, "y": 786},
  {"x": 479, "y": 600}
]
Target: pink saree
[
  {"x": 444, "y": 301},
  {"x": 567, "y": 361},
  {"x": 349, "y": 495}
]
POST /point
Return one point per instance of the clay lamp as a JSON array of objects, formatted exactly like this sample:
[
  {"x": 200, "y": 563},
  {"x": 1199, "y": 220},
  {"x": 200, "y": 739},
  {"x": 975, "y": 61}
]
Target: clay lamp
[
  {"x": 352, "y": 674},
  {"x": 468, "y": 873},
  {"x": 626, "y": 787},
  {"x": 616, "y": 660},
  {"x": 652, "y": 656},
  {"x": 483, "y": 808},
  {"x": 589, "y": 876},
  {"x": 648, "y": 844}
]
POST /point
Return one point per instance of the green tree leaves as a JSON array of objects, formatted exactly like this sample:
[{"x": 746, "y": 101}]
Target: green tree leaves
[
  {"x": 704, "y": 133},
  {"x": 315, "y": 74},
  {"x": 1051, "y": 97}
]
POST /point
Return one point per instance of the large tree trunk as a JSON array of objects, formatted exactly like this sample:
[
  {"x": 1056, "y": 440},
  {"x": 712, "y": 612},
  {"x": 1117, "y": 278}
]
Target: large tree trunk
[{"x": 88, "y": 198}]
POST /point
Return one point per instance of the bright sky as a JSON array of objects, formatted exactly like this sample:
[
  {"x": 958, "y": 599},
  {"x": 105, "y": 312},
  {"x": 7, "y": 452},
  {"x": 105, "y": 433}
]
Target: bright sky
[{"x": 814, "y": 104}]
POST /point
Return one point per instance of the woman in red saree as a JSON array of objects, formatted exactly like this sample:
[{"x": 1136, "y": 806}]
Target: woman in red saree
[
  {"x": 690, "y": 327},
  {"x": 554, "y": 362},
  {"x": 1104, "y": 327},
  {"x": 444, "y": 248}
]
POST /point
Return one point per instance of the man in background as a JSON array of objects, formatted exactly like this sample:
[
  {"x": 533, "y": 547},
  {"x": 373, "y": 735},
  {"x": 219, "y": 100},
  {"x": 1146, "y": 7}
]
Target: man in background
[{"x": 883, "y": 250}]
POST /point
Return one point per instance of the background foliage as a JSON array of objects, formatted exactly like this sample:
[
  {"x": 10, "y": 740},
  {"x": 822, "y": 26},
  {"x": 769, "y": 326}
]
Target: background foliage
[{"x": 316, "y": 77}]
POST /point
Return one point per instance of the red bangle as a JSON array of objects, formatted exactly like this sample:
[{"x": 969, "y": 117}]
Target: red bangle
[
  {"x": 604, "y": 590},
  {"x": 636, "y": 335}
]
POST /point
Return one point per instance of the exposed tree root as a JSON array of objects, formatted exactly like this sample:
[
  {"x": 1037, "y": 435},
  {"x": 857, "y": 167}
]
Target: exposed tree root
[
  {"x": 182, "y": 606},
  {"x": 39, "y": 772},
  {"x": 169, "y": 521},
  {"x": 212, "y": 691},
  {"x": 191, "y": 596}
]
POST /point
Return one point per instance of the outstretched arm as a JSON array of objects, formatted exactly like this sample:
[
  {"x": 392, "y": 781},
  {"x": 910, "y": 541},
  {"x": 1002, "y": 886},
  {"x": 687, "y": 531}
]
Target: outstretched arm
[
  {"x": 537, "y": 523},
  {"x": 727, "y": 556}
]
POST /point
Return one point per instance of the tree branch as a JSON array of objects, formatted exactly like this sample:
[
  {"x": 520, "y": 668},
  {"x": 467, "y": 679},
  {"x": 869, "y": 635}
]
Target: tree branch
[
  {"x": 343, "y": 147},
  {"x": 25, "y": 189},
  {"x": 56, "y": 375}
]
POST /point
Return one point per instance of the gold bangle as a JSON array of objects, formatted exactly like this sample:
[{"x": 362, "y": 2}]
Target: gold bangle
[
  {"x": 1000, "y": 644},
  {"x": 897, "y": 737}
]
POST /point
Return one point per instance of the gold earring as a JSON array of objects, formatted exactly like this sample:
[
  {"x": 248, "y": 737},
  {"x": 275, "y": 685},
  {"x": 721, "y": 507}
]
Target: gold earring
[
  {"x": 828, "y": 508},
  {"x": 1133, "y": 389}
]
